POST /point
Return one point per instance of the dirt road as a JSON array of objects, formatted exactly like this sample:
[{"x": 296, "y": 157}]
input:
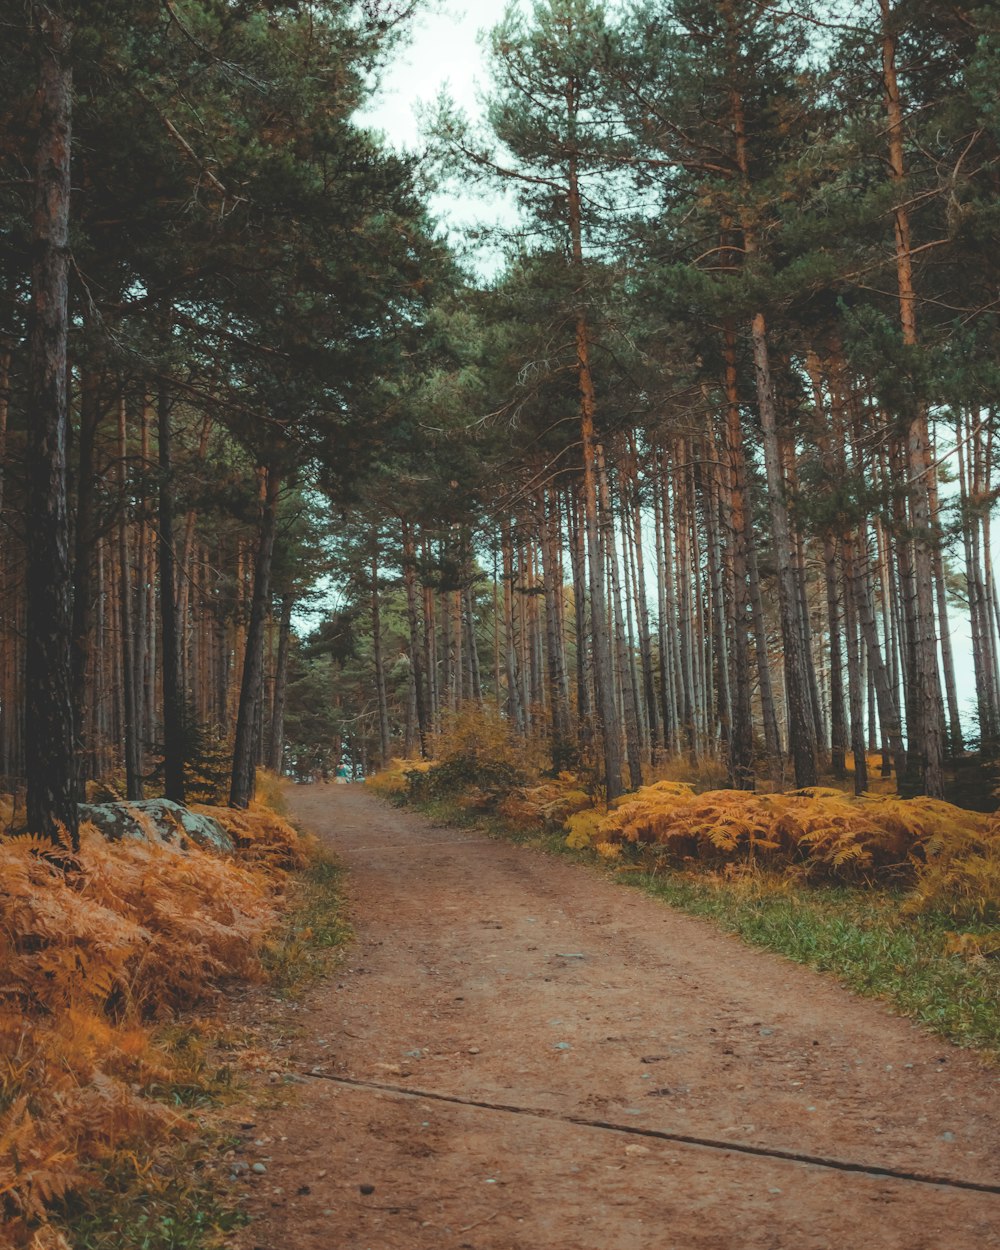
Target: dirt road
[{"x": 521, "y": 1055}]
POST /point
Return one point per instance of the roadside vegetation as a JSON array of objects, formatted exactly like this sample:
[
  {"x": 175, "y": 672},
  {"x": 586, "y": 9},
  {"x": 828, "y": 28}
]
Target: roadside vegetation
[
  {"x": 899, "y": 899},
  {"x": 116, "y": 961}
]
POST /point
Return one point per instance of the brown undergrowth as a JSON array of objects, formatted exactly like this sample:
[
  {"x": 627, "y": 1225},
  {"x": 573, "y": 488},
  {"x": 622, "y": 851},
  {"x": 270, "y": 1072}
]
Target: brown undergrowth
[
  {"x": 946, "y": 857},
  {"x": 96, "y": 963}
]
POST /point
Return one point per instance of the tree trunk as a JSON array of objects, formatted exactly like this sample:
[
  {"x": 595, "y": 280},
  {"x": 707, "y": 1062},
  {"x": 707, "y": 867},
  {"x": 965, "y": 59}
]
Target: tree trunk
[
  {"x": 926, "y": 746},
  {"x": 243, "y": 782},
  {"x": 559, "y": 720},
  {"x": 604, "y": 686},
  {"x": 133, "y": 755},
  {"x": 740, "y": 761},
  {"x": 276, "y": 735},
  {"x": 84, "y": 590},
  {"x": 384, "y": 736},
  {"x": 801, "y": 722},
  {"x": 515, "y": 703},
  {"x": 174, "y": 711},
  {"x": 413, "y": 620},
  {"x": 49, "y": 711},
  {"x": 625, "y": 670}
]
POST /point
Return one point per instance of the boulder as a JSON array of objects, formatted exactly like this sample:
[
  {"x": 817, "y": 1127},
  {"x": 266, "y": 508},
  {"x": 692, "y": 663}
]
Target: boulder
[{"x": 157, "y": 820}]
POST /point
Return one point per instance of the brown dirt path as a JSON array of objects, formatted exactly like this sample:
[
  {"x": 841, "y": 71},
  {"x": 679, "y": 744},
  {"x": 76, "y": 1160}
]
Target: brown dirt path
[{"x": 491, "y": 973}]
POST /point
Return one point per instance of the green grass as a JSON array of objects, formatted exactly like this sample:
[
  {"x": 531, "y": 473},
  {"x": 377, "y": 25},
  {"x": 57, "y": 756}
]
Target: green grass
[
  {"x": 861, "y": 935},
  {"x": 167, "y": 1205},
  {"x": 313, "y": 932}
]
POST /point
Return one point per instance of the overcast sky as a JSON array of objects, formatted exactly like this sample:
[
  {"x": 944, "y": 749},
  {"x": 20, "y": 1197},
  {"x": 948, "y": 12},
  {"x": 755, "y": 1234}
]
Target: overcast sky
[{"x": 444, "y": 52}]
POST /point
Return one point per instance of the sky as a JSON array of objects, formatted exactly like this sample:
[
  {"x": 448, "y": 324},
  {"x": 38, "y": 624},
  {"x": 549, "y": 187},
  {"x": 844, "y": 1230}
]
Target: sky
[{"x": 445, "y": 53}]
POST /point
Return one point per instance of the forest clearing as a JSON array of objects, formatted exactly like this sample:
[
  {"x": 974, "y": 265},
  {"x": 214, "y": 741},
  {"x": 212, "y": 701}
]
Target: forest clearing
[{"x": 608, "y": 476}]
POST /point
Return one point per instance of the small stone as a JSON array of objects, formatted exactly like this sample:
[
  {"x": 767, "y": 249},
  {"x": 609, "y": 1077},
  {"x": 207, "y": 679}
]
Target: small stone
[
  {"x": 259, "y": 1168},
  {"x": 473, "y": 1050},
  {"x": 367, "y": 1189},
  {"x": 774, "y": 1191},
  {"x": 766, "y": 1032},
  {"x": 947, "y": 1136},
  {"x": 562, "y": 1046}
]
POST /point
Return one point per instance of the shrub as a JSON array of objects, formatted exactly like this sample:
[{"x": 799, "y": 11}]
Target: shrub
[
  {"x": 949, "y": 855},
  {"x": 135, "y": 931}
]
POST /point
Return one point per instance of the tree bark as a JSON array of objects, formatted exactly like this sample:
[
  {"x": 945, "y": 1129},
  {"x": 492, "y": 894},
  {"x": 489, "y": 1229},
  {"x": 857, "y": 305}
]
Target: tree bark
[
  {"x": 243, "y": 782},
  {"x": 926, "y": 747},
  {"x": 49, "y": 711},
  {"x": 379, "y": 661},
  {"x": 133, "y": 755},
  {"x": 276, "y": 735},
  {"x": 174, "y": 710},
  {"x": 413, "y": 620},
  {"x": 740, "y": 759}
]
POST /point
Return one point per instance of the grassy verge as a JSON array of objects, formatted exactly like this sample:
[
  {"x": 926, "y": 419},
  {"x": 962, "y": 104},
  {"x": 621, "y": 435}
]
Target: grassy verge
[
  {"x": 314, "y": 930},
  {"x": 172, "y": 1200},
  {"x": 860, "y": 935}
]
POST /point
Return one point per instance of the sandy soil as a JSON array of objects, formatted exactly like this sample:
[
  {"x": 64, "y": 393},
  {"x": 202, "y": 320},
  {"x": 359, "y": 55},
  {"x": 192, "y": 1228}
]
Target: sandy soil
[{"x": 646, "y": 1076}]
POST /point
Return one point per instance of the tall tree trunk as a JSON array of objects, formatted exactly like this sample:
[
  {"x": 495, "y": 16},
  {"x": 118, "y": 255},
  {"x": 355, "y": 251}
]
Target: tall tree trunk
[
  {"x": 716, "y": 573},
  {"x": 174, "y": 710},
  {"x": 642, "y": 603},
  {"x": 740, "y": 758},
  {"x": 855, "y": 682},
  {"x": 243, "y": 782},
  {"x": 133, "y": 756},
  {"x": 798, "y": 701},
  {"x": 584, "y": 705},
  {"x": 413, "y": 621},
  {"x": 515, "y": 701},
  {"x": 49, "y": 711},
  {"x": 384, "y": 735},
  {"x": 926, "y": 746},
  {"x": 772, "y": 736},
  {"x": 625, "y": 669},
  {"x": 276, "y": 734},
  {"x": 561, "y": 744},
  {"x": 604, "y": 686},
  {"x": 85, "y": 593},
  {"x": 801, "y": 721}
]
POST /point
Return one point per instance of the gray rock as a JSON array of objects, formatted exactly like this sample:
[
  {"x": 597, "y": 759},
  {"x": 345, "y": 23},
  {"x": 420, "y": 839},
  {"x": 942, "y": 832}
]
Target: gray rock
[{"x": 171, "y": 824}]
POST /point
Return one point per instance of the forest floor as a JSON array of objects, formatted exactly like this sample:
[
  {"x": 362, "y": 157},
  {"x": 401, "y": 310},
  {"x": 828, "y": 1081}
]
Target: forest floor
[{"x": 518, "y": 1054}]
